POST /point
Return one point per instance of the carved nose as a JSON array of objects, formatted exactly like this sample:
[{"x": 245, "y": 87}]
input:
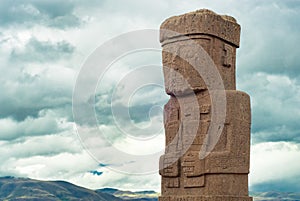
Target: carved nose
[{"x": 174, "y": 57}]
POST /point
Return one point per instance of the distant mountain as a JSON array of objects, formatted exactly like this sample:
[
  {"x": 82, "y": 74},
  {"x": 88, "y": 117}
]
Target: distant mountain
[
  {"x": 152, "y": 195},
  {"x": 275, "y": 196},
  {"x": 22, "y": 189},
  {"x": 131, "y": 196},
  {"x": 17, "y": 189}
]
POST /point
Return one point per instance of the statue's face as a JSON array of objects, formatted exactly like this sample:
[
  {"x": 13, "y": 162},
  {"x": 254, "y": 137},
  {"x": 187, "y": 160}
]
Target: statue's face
[{"x": 180, "y": 62}]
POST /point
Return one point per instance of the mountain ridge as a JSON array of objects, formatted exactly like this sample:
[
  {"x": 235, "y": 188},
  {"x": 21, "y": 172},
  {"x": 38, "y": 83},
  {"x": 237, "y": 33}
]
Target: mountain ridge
[
  {"x": 22, "y": 189},
  {"x": 14, "y": 189}
]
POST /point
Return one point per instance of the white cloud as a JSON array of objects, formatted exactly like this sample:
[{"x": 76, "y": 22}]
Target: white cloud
[
  {"x": 50, "y": 153},
  {"x": 274, "y": 100},
  {"x": 46, "y": 123},
  {"x": 274, "y": 161},
  {"x": 121, "y": 152},
  {"x": 57, "y": 167},
  {"x": 113, "y": 179}
]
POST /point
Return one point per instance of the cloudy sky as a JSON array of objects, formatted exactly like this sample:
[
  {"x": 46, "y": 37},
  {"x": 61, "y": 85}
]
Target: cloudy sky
[{"x": 44, "y": 45}]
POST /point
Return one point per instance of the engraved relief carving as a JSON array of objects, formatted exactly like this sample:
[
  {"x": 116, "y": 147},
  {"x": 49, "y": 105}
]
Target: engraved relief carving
[
  {"x": 227, "y": 57},
  {"x": 193, "y": 169},
  {"x": 192, "y": 166},
  {"x": 169, "y": 165}
]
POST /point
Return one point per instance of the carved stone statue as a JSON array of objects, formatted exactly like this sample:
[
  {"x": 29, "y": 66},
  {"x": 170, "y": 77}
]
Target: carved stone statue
[{"x": 221, "y": 173}]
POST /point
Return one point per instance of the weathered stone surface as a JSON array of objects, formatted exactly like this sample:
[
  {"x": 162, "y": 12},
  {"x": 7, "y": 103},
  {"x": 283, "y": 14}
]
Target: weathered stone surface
[
  {"x": 203, "y": 22},
  {"x": 189, "y": 116}
]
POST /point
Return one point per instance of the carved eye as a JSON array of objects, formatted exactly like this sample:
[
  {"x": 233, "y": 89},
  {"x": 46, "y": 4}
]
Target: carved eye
[
  {"x": 190, "y": 54},
  {"x": 187, "y": 52}
]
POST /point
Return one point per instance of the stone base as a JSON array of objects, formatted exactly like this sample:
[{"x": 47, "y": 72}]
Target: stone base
[{"x": 204, "y": 198}]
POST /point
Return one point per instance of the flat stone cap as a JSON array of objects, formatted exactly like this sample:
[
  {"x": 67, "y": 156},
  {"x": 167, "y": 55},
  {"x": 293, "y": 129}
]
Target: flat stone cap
[{"x": 201, "y": 22}]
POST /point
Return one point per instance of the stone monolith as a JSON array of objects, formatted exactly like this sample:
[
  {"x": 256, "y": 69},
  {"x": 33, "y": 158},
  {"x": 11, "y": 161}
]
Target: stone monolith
[{"x": 207, "y": 124}]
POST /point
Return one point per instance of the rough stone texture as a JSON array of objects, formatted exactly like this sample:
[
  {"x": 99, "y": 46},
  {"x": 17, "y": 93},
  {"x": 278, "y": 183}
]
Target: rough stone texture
[{"x": 223, "y": 174}]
